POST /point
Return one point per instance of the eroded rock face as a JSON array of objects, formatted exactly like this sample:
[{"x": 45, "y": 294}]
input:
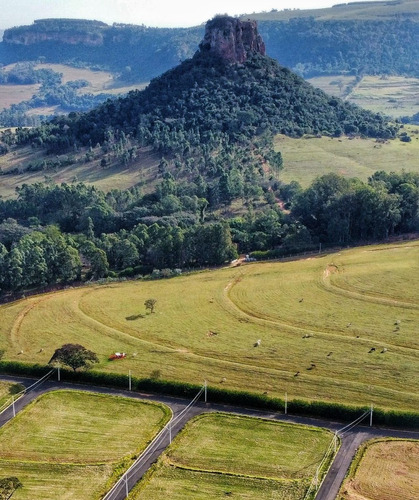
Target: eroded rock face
[{"x": 232, "y": 39}]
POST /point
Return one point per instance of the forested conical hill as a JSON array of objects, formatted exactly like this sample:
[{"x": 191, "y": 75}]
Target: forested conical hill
[{"x": 213, "y": 102}]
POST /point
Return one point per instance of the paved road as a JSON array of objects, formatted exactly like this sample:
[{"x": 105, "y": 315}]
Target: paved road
[{"x": 331, "y": 484}]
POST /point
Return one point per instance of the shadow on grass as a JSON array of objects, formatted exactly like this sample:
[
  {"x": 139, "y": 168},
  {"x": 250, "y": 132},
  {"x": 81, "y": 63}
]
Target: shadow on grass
[{"x": 134, "y": 317}]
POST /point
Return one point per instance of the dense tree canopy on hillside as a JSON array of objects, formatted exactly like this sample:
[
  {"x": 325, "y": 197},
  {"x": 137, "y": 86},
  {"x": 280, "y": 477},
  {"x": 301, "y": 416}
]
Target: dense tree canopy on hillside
[{"x": 126, "y": 233}]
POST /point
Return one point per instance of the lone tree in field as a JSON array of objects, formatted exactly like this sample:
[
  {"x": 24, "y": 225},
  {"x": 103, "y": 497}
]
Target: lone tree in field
[
  {"x": 75, "y": 356},
  {"x": 8, "y": 485},
  {"x": 150, "y": 304}
]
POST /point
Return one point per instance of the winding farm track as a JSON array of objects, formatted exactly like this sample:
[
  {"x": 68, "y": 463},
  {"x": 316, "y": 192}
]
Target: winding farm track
[{"x": 331, "y": 484}]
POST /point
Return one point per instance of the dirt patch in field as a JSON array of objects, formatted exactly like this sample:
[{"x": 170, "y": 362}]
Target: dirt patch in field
[{"x": 330, "y": 269}]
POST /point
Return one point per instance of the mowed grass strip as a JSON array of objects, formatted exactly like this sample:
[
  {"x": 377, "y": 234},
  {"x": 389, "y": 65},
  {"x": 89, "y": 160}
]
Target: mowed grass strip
[
  {"x": 181, "y": 484},
  {"x": 327, "y": 311},
  {"x": 388, "y": 470},
  {"x": 71, "y": 445},
  {"x": 220, "y": 454}
]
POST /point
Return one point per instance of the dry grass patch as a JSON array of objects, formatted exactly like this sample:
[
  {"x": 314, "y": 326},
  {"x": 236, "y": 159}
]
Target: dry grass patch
[
  {"x": 388, "y": 470},
  {"x": 14, "y": 94}
]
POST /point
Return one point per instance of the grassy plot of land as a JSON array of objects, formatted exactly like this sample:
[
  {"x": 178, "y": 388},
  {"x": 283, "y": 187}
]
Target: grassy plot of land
[
  {"x": 317, "y": 319},
  {"x": 394, "y": 96},
  {"x": 388, "y": 470},
  {"x": 218, "y": 455},
  {"x": 307, "y": 158},
  {"x": 14, "y": 94},
  {"x": 50, "y": 481},
  {"x": 67, "y": 435}
]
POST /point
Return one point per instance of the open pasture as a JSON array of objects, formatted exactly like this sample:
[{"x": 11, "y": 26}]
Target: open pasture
[
  {"x": 338, "y": 327},
  {"x": 14, "y": 94},
  {"x": 69, "y": 444},
  {"x": 393, "y": 96},
  {"x": 387, "y": 470},
  {"x": 309, "y": 157},
  {"x": 218, "y": 455}
]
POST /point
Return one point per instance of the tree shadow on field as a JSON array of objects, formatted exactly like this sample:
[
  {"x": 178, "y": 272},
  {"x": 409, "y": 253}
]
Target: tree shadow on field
[{"x": 134, "y": 317}]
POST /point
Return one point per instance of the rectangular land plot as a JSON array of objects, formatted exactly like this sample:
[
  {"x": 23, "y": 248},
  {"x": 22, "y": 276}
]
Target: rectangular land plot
[
  {"x": 387, "y": 470},
  {"x": 67, "y": 435},
  {"x": 218, "y": 455}
]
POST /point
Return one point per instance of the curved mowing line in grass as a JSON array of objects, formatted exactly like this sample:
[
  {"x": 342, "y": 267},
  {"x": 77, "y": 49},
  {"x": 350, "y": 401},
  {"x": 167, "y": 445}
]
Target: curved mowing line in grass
[
  {"x": 200, "y": 330},
  {"x": 327, "y": 334},
  {"x": 318, "y": 380},
  {"x": 114, "y": 332},
  {"x": 14, "y": 333},
  {"x": 247, "y": 308},
  {"x": 363, "y": 297}
]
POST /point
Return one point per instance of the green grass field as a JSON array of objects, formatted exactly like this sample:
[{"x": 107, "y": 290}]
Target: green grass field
[
  {"x": 317, "y": 319},
  {"x": 219, "y": 455},
  {"x": 394, "y": 96},
  {"x": 386, "y": 470},
  {"x": 307, "y": 158},
  {"x": 65, "y": 436}
]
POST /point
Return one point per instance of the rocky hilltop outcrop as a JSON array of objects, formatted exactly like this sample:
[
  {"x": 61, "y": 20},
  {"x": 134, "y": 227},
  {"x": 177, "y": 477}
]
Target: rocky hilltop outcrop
[{"x": 232, "y": 39}]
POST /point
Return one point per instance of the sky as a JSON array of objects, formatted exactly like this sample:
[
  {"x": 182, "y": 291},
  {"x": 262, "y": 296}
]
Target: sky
[{"x": 160, "y": 13}]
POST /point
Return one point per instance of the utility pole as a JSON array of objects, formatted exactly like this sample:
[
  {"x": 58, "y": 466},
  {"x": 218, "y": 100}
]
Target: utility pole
[
  {"x": 205, "y": 391},
  {"x": 129, "y": 380},
  {"x": 13, "y": 404},
  {"x": 58, "y": 373},
  {"x": 286, "y": 403},
  {"x": 371, "y": 411}
]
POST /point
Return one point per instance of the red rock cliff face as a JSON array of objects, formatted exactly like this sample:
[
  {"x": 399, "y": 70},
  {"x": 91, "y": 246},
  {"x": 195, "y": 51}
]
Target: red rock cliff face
[{"x": 232, "y": 40}]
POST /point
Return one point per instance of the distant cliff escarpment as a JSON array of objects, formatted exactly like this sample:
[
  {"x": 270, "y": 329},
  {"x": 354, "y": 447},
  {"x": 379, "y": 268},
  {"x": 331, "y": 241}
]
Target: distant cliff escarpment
[
  {"x": 339, "y": 40},
  {"x": 137, "y": 53},
  {"x": 232, "y": 39},
  {"x": 66, "y": 31}
]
